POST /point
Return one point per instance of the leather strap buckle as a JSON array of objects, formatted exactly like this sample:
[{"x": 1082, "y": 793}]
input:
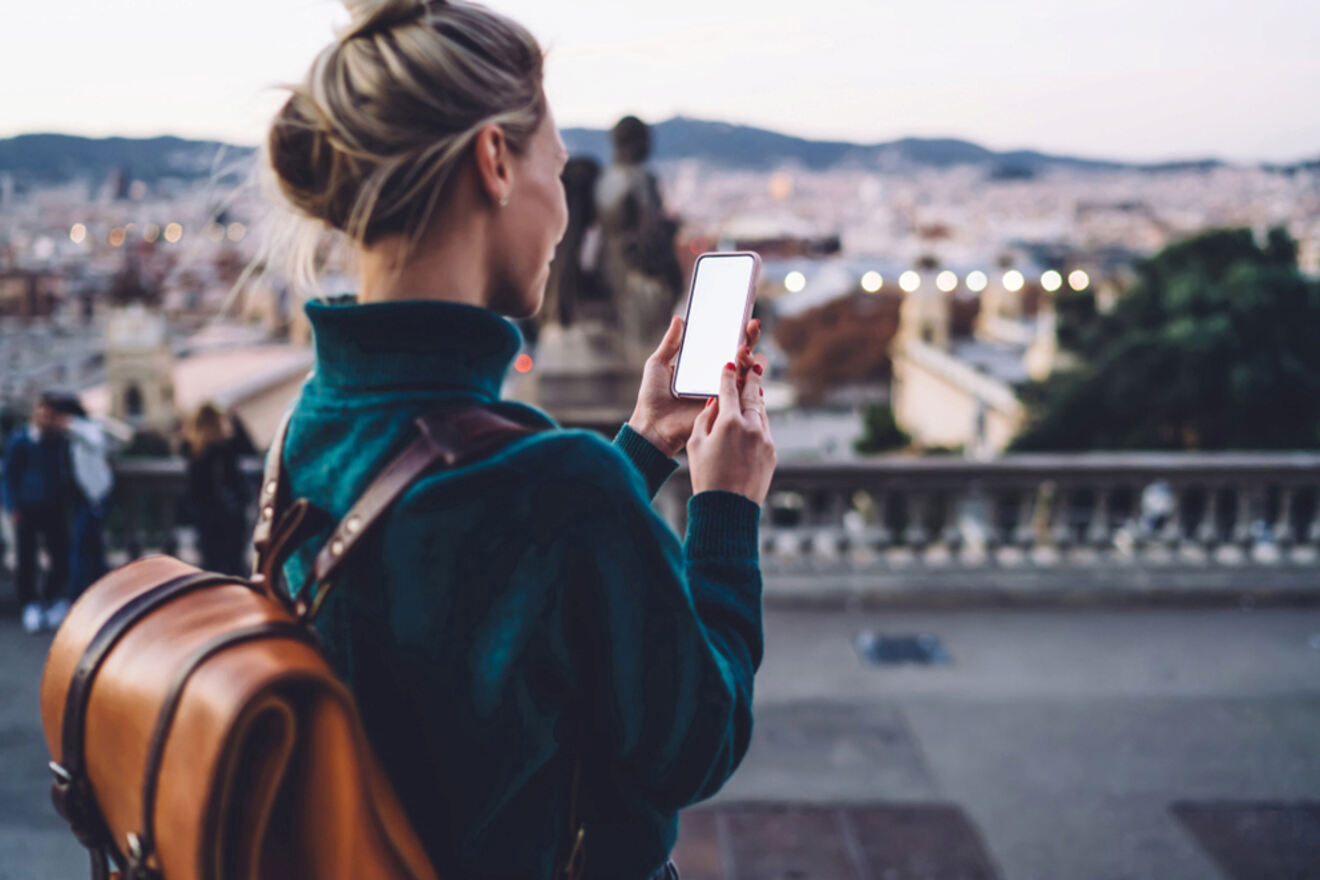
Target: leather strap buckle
[
  {"x": 138, "y": 853},
  {"x": 71, "y": 801}
]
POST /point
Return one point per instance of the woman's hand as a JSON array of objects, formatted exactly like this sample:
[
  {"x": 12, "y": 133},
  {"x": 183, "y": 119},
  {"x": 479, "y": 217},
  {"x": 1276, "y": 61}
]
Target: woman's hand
[
  {"x": 663, "y": 419},
  {"x": 730, "y": 448}
]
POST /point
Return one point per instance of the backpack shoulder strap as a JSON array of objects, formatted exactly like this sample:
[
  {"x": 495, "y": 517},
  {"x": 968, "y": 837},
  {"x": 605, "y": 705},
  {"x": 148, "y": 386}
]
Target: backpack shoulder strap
[
  {"x": 273, "y": 497},
  {"x": 451, "y": 437}
]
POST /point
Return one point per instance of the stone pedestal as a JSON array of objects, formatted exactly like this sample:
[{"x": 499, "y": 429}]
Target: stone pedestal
[{"x": 581, "y": 377}]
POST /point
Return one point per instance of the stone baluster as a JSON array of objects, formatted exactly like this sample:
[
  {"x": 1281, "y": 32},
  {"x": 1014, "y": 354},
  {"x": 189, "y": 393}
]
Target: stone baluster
[
  {"x": 1060, "y": 527},
  {"x": 1283, "y": 525},
  {"x": 836, "y": 536},
  {"x": 1208, "y": 532},
  {"x": 1098, "y": 531},
  {"x": 1172, "y": 533},
  {"x": 883, "y": 537},
  {"x": 1313, "y": 531},
  {"x": 1242, "y": 518},
  {"x": 950, "y": 533},
  {"x": 915, "y": 534},
  {"x": 1023, "y": 535}
]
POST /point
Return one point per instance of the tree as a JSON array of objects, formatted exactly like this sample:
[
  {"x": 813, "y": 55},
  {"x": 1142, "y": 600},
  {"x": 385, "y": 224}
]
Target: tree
[
  {"x": 880, "y": 431},
  {"x": 1216, "y": 346}
]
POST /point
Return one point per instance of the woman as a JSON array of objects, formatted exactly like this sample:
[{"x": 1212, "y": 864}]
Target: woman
[
  {"x": 217, "y": 494},
  {"x": 516, "y": 615}
]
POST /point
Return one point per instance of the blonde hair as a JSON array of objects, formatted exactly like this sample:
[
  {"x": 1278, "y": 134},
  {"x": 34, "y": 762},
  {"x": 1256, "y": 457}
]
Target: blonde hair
[
  {"x": 368, "y": 143},
  {"x": 207, "y": 427}
]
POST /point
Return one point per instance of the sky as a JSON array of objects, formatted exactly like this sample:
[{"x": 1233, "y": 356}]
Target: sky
[{"x": 1141, "y": 80}]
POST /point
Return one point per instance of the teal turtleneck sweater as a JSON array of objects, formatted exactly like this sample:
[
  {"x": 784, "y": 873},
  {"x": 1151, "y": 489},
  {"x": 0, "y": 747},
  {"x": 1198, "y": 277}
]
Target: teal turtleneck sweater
[{"x": 512, "y": 611}]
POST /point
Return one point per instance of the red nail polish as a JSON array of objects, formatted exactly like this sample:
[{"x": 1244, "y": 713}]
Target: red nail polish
[
  {"x": 709, "y": 401},
  {"x": 729, "y": 366},
  {"x": 762, "y": 390},
  {"x": 758, "y": 369}
]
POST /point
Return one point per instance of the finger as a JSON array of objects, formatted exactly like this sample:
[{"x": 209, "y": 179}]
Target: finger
[
  {"x": 744, "y": 360},
  {"x": 753, "y": 332},
  {"x": 752, "y": 395},
  {"x": 706, "y": 418},
  {"x": 728, "y": 395},
  {"x": 671, "y": 342}
]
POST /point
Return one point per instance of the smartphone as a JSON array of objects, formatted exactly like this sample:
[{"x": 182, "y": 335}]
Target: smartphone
[{"x": 719, "y": 307}]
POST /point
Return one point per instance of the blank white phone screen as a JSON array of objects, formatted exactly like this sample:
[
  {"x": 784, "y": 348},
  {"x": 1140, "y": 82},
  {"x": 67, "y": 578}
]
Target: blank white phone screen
[{"x": 715, "y": 322}]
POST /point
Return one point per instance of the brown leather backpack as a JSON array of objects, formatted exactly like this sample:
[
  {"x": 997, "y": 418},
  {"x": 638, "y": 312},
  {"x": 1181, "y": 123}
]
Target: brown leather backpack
[{"x": 197, "y": 729}]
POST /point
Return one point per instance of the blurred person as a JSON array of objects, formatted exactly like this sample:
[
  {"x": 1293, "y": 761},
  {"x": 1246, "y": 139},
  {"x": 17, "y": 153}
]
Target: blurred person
[
  {"x": 90, "y": 441},
  {"x": 38, "y": 491},
  {"x": 217, "y": 493},
  {"x": 527, "y": 639}
]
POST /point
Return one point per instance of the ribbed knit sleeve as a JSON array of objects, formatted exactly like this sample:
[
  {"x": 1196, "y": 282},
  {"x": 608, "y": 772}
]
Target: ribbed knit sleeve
[
  {"x": 653, "y": 464},
  {"x": 678, "y": 637},
  {"x": 723, "y": 526}
]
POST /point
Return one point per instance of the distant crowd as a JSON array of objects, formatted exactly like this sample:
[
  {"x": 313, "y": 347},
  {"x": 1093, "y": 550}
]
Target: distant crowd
[{"x": 58, "y": 483}]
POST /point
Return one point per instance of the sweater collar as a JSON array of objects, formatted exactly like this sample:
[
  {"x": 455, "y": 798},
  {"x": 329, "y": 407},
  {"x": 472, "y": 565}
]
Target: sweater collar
[{"x": 415, "y": 344}]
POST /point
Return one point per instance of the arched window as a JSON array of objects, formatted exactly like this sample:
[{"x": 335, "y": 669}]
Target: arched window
[{"x": 133, "y": 402}]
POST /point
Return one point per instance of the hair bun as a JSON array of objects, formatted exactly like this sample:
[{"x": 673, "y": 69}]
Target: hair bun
[{"x": 378, "y": 15}]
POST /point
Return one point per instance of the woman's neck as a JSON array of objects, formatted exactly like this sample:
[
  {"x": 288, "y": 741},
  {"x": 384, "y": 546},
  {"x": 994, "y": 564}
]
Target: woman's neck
[{"x": 446, "y": 265}]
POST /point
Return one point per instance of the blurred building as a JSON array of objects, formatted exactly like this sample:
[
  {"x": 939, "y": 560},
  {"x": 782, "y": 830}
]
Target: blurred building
[
  {"x": 958, "y": 391},
  {"x": 29, "y": 293}
]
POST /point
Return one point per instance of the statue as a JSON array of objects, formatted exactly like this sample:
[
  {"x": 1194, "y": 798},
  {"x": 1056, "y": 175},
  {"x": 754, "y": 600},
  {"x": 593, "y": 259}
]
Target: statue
[
  {"x": 574, "y": 291},
  {"x": 638, "y": 265},
  {"x": 613, "y": 285}
]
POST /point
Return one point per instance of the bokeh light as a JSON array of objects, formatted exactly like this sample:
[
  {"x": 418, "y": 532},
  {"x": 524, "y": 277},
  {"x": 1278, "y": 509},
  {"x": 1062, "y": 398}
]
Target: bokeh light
[
  {"x": 1078, "y": 280},
  {"x": 1013, "y": 280},
  {"x": 78, "y": 233},
  {"x": 173, "y": 232},
  {"x": 872, "y": 282},
  {"x": 523, "y": 363},
  {"x": 946, "y": 281},
  {"x": 236, "y": 231},
  {"x": 977, "y": 282},
  {"x": 1051, "y": 281},
  {"x": 909, "y": 281},
  {"x": 795, "y": 282},
  {"x": 117, "y": 236},
  {"x": 150, "y": 233}
]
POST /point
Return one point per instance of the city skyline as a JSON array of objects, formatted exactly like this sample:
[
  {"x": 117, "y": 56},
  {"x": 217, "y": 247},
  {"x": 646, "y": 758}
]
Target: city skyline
[{"x": 1189, "y": 82}]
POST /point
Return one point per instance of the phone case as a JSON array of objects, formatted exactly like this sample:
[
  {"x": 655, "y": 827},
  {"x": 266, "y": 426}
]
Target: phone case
[{"x": 747, "y": 308}]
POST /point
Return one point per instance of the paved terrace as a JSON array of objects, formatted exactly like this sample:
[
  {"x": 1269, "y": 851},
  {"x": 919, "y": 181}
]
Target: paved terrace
[{"x": 1056, "y": 744}]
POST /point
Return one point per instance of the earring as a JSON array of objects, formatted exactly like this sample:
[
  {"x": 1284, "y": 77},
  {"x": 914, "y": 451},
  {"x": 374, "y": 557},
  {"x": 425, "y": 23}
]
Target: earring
[{"x": 504, "y": 200}]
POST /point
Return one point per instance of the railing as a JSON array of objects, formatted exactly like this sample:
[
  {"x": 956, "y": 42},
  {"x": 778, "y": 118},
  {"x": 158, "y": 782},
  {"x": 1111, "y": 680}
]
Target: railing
[
  {"x": 1027, "y": 523},
  {"x": 1018, "y": 522}
]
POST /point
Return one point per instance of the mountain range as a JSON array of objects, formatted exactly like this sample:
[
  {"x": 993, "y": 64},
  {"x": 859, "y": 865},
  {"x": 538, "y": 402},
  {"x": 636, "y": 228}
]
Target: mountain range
[{"x": 53, "y": 158}]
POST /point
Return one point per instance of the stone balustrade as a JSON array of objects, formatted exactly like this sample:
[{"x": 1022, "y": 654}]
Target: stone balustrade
[{"x": 1082, "y": 520}]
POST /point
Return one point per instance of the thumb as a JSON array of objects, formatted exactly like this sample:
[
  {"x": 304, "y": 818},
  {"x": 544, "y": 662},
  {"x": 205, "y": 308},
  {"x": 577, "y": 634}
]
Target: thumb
[{"x": 670, "y": 344}]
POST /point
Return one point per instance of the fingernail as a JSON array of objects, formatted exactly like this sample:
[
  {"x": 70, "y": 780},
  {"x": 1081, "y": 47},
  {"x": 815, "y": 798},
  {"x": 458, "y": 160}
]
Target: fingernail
[
  {"x": 762, "y": 390},
  {"x": 758, "y": 369},
  {"x": 709, "y": 401},
  {"x": 730, "y": 366}
]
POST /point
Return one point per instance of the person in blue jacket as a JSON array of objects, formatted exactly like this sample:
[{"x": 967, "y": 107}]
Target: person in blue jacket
[
  {"x": 518, "y": 616},
  {"x": 38, "y": 493}
]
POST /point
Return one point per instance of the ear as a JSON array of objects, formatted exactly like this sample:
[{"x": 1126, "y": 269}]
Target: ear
[{"x": 494, "y": 165}]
